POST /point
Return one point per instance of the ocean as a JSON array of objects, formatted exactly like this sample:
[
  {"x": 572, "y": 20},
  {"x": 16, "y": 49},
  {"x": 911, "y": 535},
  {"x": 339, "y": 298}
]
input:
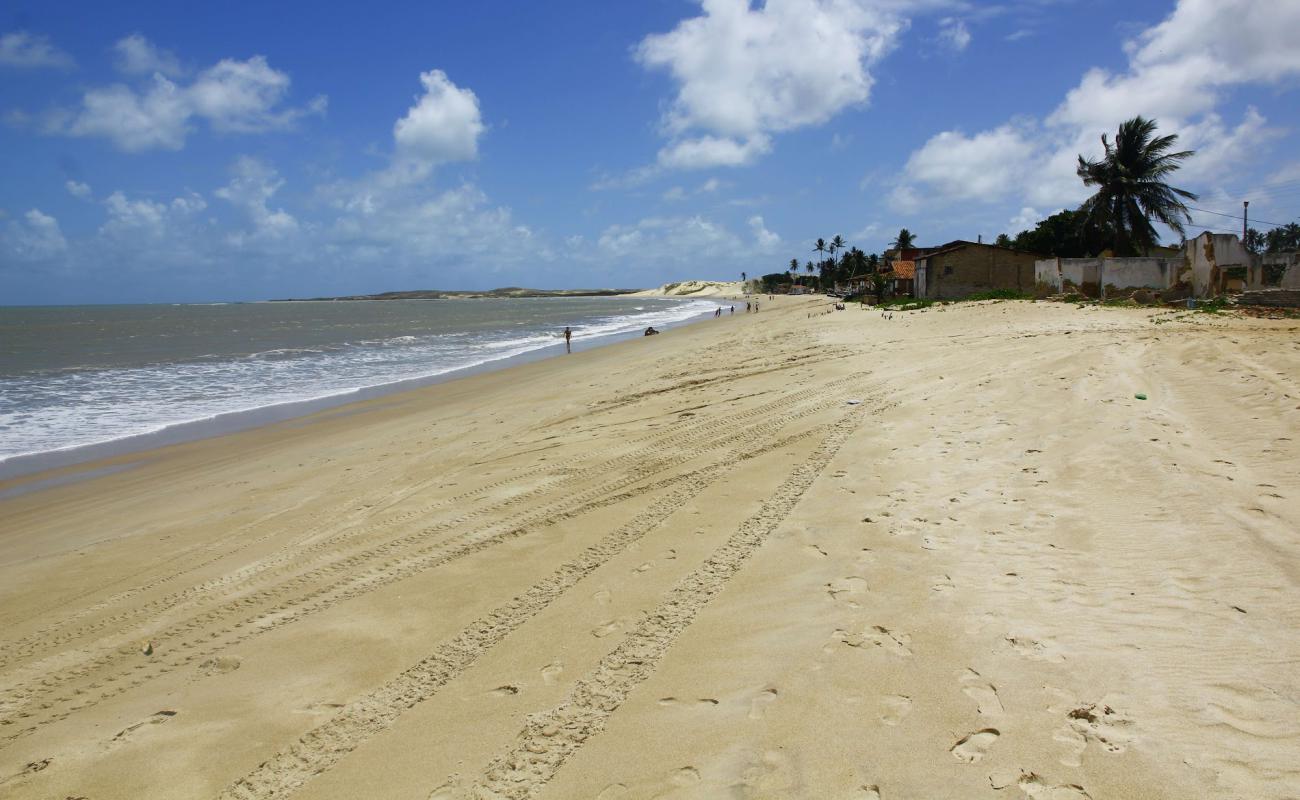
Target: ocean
[{"x": 77, "y": 380}]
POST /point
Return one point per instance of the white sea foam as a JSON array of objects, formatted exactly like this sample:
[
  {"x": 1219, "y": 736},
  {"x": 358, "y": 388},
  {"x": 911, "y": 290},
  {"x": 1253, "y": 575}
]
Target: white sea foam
[{"x": 60, "y": 409}]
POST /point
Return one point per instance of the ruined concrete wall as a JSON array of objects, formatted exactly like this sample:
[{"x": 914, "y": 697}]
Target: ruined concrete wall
[
  {"x": 970, "y": 270},
  {"x": 1288, "y": 264},
  {"x": 1087, "y": 274},
  {"x": 1214, "y": 256}
]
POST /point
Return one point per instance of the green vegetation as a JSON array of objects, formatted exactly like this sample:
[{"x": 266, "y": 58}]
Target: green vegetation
[{"x": 1131, "y": 188}]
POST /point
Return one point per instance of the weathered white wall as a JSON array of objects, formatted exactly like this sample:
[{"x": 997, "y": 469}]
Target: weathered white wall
[
  {"x": 1122, "y": 273},
  {"x": 1291, "y": 277},
  {"x": 1211, "y": 253}
]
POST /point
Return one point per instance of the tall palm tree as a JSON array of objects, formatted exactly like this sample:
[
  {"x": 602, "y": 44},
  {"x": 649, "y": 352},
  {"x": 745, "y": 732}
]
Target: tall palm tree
[
  {"x": 1131, "y": 188},
  {"x": 794, "y": 266},
  {"x": 904, "y": 241},
  {"x": 820, "y": 247},
  {"x": 837, "y": 243}
]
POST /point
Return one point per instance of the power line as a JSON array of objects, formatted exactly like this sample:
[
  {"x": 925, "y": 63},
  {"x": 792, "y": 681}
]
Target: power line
[{"x": 1232, "y": 216}]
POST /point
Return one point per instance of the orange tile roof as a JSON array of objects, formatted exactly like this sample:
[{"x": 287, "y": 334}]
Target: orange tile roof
[{"x": 905, "y": 269}]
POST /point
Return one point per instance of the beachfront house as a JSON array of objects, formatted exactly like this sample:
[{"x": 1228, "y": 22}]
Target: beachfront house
[{"x": 960, "y": 269}]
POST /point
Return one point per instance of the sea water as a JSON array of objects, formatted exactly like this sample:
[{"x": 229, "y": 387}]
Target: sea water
[{"x": 74, "y": 378}]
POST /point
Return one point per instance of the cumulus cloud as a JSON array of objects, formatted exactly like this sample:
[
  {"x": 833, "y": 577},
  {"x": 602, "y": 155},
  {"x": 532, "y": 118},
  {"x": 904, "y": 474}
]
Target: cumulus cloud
[
  {"x": 133, "y": 220},
  {"x": 1179, "y": 72},
  {"x": 744, "y": 73},
  {"x": 668, "y": 240},
  {"x": 962, "y": 167},
  {"x": 33, "y": 237},
  {"x": 765, "y": 239},
  {"x": 954, "y": 34},
  {"x": 78, "y": 189},
  {"x": 443, "y": 126},
  {"x": 250, "y": 189},
  {"x": 25, "y": 50},
  {"x": 136, "y": 55},
  {"x": 232, "y": 96},
  {"x": 713, "y": 151}
]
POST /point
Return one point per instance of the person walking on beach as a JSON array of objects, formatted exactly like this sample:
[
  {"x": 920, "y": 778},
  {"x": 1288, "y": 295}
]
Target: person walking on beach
[{"x": 568, "y": 338}]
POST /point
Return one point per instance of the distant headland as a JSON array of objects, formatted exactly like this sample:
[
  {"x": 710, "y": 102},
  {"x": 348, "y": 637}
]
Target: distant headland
[{"x": 439, "y": 294}]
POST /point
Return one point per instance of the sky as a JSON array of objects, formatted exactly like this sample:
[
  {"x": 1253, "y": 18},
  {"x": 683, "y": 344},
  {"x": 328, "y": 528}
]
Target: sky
[{"x": 197, "y": 152}]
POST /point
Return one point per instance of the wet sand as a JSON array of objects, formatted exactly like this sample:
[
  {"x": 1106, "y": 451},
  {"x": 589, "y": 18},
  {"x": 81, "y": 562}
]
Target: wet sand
[{"x": 688, "y": 566}]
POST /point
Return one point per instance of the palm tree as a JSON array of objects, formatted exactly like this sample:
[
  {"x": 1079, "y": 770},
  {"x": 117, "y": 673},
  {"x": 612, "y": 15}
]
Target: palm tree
[
  {"x": 1131, "y": 188},
  {"x": 820, "y": 247},
  {"x": 794, "y": 266},
  {"x": 837, "y": 243},
  {"x": 904, "y": 241}
]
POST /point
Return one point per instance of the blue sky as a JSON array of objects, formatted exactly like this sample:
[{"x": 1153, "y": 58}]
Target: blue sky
[{"x": 191, "y": 152}]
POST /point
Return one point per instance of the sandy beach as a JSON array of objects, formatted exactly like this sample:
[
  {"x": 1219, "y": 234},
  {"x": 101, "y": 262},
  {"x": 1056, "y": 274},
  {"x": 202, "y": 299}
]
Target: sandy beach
[{"x": 945, "y": 555}]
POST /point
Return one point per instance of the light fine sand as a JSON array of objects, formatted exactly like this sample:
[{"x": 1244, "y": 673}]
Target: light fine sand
[{"x": 793, "y": 554}]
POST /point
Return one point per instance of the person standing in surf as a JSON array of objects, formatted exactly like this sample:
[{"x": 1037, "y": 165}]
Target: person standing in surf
[{"x": 568, "y": 338}]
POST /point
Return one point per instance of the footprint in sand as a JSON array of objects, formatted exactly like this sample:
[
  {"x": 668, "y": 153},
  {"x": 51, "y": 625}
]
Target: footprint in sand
[
  {"x": 982, "y": 692},
  {"x": 158, "y": 718},
  {"x": 1038, "y": 650},
  {"x": 551, "y": 673},
  {"x": 758, "y": 706},
  {"x": 615, "y": 791},
  {"x": 973, "y": 747},
  {"x": 646, "y": 567},
  {"x": 220, "y": 665},
  {"x": 1036, "y": 788},
  {"x": 871, "y": 792},
  {"x": 601, "y": 597},
  {"x": 605, "y": 629},
  {"x": 686, "y": 776},
  {"x": 1097, "y": 723},
  {"x": 895, "y": 708},
  {"x": 844, "y": 589},
  {"x": 878, "y": 636},
  {"x": 702, "y": 702},
  {"x": 451, "y": 790}
]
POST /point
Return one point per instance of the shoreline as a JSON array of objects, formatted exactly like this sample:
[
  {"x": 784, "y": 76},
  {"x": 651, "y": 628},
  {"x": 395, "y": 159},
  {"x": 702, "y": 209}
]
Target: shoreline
[
  {"x": 954, "y": 542},
  {"x": 17, "y": 470}
]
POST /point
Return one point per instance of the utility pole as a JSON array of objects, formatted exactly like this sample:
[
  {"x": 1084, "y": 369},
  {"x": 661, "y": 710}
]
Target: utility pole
[{"x": 1245, "y": 212}]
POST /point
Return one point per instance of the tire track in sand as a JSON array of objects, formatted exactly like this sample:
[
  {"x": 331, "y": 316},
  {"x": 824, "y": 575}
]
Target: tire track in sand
[
  {"x": 550, "y": 738},
  {"x": 33, "y": 706}
]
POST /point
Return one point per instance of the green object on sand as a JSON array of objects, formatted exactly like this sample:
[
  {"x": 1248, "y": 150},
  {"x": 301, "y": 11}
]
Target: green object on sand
[{"x": 1140, "y": 396}]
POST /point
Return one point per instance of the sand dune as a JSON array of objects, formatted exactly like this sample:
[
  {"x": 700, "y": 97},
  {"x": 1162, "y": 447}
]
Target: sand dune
[{"x": 690, "y": 567}]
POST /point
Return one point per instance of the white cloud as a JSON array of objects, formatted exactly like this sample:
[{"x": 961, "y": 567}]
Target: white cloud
[
  {"x": 970, "y": 167},
  {"x": 1017, "y": 35},
  {"x": 675, "y": 194},
  {"x": 250, "y": 189},
  {"x": 157, "y": 118},
  {"x": 131, "y": 220},
  {"x": 27, "y": 51},
  {"x": 78, "y": 189},
  {"x": 1178, "y": 73},
  {"x": 1026, "y": 220},
  {"x": 136, "y": 55},
  {"x": 954, "y": 34},
  {"x": 675, "y": 240},
  {"x": 713, "y": 151},
  {"x": 744, "y": 73},
  {"x": 232, "y": 96},
  {"x": 34, "y": 237},
  {"x": 443, "y": 126},
  {"x": 711, "y": 185},
  {"x": 765, "y": 239}
]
